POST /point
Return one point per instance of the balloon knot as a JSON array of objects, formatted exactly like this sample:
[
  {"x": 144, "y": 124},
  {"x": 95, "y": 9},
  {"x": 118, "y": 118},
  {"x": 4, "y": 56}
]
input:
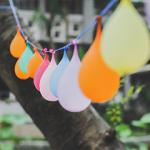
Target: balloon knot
[
  {"x": 35, "y": 49},
  {"x": 98, "y": 18},
  {"x": 66, "y": 47},
  {"x": 74, "y": 42},
  {"x": 44, "y": 51},
  {"x": 26, "y": 38},
  {"x": 51, "y": 50}
]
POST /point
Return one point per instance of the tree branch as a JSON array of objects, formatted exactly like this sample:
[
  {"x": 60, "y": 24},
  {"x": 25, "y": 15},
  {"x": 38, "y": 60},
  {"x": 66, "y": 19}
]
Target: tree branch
[{"x": 64, "y": 130}]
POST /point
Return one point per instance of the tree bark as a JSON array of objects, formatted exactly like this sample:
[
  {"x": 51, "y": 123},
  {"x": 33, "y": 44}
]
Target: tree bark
[{"x": 64, "y": 130}]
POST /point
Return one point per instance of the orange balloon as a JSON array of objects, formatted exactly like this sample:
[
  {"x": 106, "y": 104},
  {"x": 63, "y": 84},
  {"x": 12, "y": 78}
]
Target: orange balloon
[
  {"x": 97, "y": 81},
  {"x": 21, "y": 75},
  {"x": 18, "y": 45},
  {"x": 34, "y": 63}
]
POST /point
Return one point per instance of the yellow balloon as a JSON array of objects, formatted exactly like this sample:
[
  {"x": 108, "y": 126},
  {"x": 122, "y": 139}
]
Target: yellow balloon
[{"x": 125, "y": 40}]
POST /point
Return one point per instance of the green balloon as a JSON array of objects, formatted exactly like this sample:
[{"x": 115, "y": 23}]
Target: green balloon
[{"x": 25, "y": 58}]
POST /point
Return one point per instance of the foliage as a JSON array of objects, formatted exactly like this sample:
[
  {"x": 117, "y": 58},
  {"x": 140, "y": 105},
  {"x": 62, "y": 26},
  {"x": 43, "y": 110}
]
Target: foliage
[
  {"x": 39, "y": 17},
  {"x": 14, "y": 119},
  {"x": 7, "y": 146},
  {"x": 143, "y": 123},
  {"x": 115, "y": 109},
  {"x": 114, "y": 115},
  {"x": 123, "y": 130},
  {"x": 7, "y": 122},
  {"x": 81, "y": 52},
  {"x": 140, "y": 146},
  {"x": 6, "y": 130}
]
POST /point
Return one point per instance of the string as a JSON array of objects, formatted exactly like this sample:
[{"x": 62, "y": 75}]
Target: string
[
  {"x": 107, "y": 8},
  {"x": 92, "y": 24},
  {"x": 33, "y": 45},
  {"x": 16, "y": 17},
  {"x": 87, "y": 29}
]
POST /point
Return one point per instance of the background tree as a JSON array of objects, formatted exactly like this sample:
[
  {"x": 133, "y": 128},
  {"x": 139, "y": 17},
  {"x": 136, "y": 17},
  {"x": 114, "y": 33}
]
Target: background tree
[{"x": 64, "y": 130}]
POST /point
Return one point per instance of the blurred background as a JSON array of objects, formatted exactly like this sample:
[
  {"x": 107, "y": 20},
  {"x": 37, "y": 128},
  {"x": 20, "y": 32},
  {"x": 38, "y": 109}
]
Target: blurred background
[{"x": 53, "y": 23}]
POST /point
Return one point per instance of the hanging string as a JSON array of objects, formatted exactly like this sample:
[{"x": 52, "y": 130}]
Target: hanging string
[
  {"x": 16, "y": 17},
  {"x": 87, "y": 29},
  {"x": 107, "y": 8},
  {"x": 93, "y": 23},
  {"x": 33, "y": 45}
]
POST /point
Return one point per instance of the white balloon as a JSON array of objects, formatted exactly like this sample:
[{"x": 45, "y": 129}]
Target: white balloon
[
  {"x": 45, "y": 79},
  {"x": 69, "y": 94}
]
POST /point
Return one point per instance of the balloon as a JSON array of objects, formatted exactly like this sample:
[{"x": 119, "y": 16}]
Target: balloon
[
  {"x": 126, "y": 41},
  {"x": 21, "y": 75},
  {"x": 97, "y": 81},
  {"x": 25, "y": 58},
  {"x": 45, "y": 79},
  {"x": 17, "y": 45},
  {"x": 69, "y": 93},
  {"x": 58, "y": 72},
  {"x": 40, "y": 71},
  {"x": 34, "y": 63}
]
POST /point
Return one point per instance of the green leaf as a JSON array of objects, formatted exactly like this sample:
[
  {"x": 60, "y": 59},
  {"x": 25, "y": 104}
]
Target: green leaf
[
  {"x": 138, "y": 123},
  {"x": 122, "y": 81},
  {"x": 14, "y": 119},
  {"x": 130, "y": 91},
  {"x": 139, "y": 89},
  {"x": 123, "y": 130},
  {"x": 146, "y": 118},
  {"x": 81, "y": 53},
  {"x": 39, "y": 17},
  {"x": 143, "y": 146},
  {"x": 124, "y": 100},
  {"x": 7, "y": 146},
  {"x": 130, "y": 148},
  {"x": 6, "y": 133}
]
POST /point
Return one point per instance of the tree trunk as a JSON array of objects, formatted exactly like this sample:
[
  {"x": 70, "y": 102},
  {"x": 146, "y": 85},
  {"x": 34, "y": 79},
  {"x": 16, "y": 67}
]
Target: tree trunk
[{"x": 64, "y": 130}]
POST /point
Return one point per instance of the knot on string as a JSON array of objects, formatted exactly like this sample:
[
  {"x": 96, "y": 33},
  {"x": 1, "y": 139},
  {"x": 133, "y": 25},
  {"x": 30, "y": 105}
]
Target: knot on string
[
  {"x": 74, "y": 42},
  {"x": 51, "y": 50},
  {"x": 21, "y": 31},
  {"x": 28, "y": 42},
  {"x": 26, "y": 38},
  {"x": 98, "y": 18},
  {"x": 35, "y": 49},
  {"x": 18, "y": 28},
  {"x": 66, "y": 47},
  {"x": 44, "y": 51}
]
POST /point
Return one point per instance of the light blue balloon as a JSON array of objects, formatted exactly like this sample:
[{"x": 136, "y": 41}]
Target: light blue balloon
[
  {"x": 58, "y": 72},
  {"x": 25, "y": 58}
]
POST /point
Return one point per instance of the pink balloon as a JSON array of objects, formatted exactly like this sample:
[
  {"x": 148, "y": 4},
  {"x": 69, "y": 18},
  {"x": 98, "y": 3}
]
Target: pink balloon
[
  {"x": 45, "y": 80},
  {"x": 40, "y": 71}
]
